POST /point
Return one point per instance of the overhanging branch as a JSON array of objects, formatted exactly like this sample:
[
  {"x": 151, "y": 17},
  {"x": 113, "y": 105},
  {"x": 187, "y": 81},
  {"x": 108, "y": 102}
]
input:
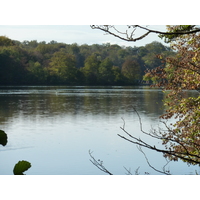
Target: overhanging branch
[{"x": 129, "y": 37}]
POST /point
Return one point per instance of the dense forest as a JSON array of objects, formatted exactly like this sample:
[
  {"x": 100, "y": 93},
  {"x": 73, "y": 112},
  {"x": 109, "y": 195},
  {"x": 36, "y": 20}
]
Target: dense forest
[{"x": 53, "y": 63}]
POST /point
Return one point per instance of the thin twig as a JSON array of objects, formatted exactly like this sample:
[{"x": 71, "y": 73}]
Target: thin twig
[
  {"x": 99, "y": 164},
  {"x": 162, "y": 172},
  {"x": 128, "y": 171}
]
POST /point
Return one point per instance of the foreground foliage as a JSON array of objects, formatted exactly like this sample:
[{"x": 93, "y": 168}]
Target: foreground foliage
[
  {"x": 182, "y": 73},
  {"x": 3, "y": 138},
  {"x": 21, "y": 166}
]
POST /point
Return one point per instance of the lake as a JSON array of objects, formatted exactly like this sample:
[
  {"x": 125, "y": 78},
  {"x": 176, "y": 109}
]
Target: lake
[{"x": 55, "y": 127}]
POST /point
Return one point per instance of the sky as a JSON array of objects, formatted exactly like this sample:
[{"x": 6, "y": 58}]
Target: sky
[
  {"x": 80, "y": 34},
  {"x": 69, "y": 21}
]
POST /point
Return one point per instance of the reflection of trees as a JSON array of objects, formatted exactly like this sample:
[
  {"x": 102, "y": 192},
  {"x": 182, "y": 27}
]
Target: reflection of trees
[
  {"x": 86, "y": 101},
  {"x": 8, "y": 106},
  {"x": 153, "y": 101}
]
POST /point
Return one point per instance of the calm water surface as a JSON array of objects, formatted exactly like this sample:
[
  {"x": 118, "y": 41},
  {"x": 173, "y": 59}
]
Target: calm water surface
[{"x": 55, "y": 127}]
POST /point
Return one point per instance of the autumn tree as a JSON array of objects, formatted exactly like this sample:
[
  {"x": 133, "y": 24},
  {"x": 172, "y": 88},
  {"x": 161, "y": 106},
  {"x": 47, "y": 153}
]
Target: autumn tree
[
  {"x": 177, "y": 74},
  {"x": 181, "y": 73}
]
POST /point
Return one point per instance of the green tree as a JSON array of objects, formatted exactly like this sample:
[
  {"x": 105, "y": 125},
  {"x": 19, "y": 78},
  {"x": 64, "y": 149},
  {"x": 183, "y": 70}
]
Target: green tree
[
  {"x": 106, "y": 76},
  {"x": 62, "y": 66},
  {"x": 91, "y": 69},
  {"x": 30, "y": 44},
  {"x": 150, "y": 51},
  {"x": 131, "y": 70},
  {"x": 5, "y": 41},
  {"x": 46, "y": 48},
  {"x": 37, "y": 73},
  {"x": 118, "y": 77},
  {"x": 31, "y": 62},
  {"x": 75, "y": 50},
  {"x": 12, "y": 65}
]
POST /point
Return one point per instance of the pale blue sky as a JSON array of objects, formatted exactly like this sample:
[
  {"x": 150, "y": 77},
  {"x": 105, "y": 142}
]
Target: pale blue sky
[
  {"x": 81, "y": 34},
  {"x": 67, "y": 15}
]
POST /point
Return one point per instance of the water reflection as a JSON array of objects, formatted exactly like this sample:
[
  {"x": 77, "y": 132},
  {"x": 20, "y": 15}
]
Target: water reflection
[
  {"x": 45, "y": 102},
  {"x": 54, "y": 127}
]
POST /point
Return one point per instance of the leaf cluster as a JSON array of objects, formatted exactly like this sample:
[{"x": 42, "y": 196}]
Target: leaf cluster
[
  {"x": 182, "y": 73},
  {"x": 177, "y": 31}
]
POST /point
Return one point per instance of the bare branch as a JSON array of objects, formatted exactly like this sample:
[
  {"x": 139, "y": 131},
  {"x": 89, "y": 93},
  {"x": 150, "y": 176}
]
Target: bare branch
[
  {"x": 106, "y": 29},
  {"x": 123, "y": 124},
  {"x": 137, "y": 171},
  {"x": 99, "y": 164},
  {"x": 129, "y": 37},
  {"x": 128, "y": 171},
  {"x": 162, "y": 172},
  {"x": 168, "y": 161},
  {"x": 177, "y": 154},
  {"x": 181, "y": 155}
]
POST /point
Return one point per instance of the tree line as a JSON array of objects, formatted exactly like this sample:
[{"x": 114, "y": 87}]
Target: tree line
[{"x": 53, "y": 63}]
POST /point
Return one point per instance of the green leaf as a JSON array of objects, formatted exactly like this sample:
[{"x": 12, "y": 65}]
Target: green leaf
[
  {"x": 21, "y": 167},
  {"x": 3, "y": 138}
]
